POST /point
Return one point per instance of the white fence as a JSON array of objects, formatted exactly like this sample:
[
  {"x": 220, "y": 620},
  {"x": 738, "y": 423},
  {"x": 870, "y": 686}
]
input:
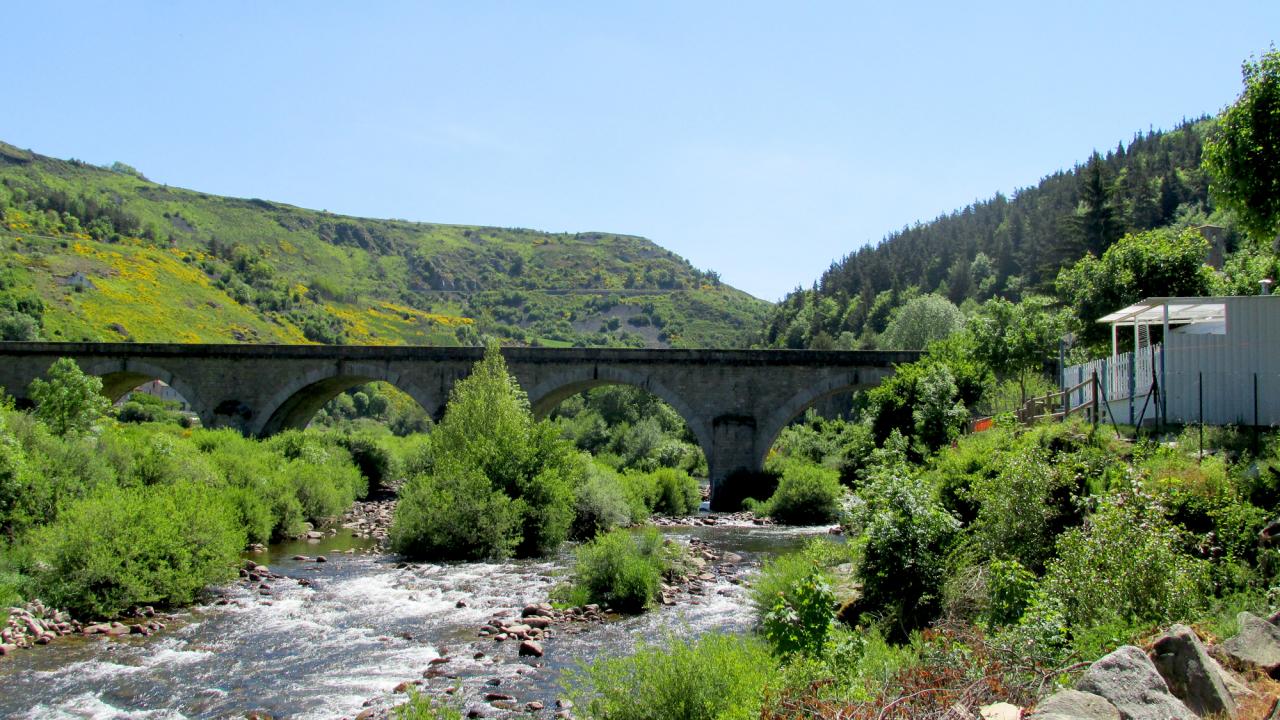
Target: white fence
[{"x": 1125, "y": 382}]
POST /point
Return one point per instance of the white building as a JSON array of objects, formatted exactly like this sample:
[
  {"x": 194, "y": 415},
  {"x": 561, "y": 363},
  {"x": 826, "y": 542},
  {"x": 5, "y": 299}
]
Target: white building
[{"x": 1219, "y": 362}]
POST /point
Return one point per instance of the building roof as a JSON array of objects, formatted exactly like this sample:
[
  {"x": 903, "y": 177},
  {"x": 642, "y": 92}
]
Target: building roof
[{"x": 1181, "y": 310}]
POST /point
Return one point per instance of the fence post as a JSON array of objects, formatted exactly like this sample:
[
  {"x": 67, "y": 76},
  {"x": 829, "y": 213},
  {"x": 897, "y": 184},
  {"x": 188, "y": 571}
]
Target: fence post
[
  {"x": 1097, "y": 399},
  {"x": 1200, "y": 389},
  {"x": 1133, "y": 384}
]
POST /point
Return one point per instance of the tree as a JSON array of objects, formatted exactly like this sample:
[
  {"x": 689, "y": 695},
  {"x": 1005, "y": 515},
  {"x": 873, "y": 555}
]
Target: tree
[
  {"x": 1243, "y": 156},
  {"x": 1156, "y": 263},
  {"x": 69, "y": 401},
  {"x": 499, "y": 482},
  {"x": 920, "y": 321},
  {"x": 1017, "y": 339},
  {"x": 1097, "y": 223}
]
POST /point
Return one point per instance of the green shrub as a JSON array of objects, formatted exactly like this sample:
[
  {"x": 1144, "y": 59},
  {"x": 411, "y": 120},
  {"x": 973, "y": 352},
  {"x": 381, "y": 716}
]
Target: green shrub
[
  {"x": 907, "y": 537},
  {"x": 40, "y": 473},
  {"x": 806, "y": 495},
  {"x": 376, "y": 463},
  {"x": 641, "y": 490},
  {"x": 1126, "y": 563},
  {"x": 422, "y": 707},
  {"x": 455, "y": 514},
  {"x": 144, "y": 408},
  {"x": 793, "y": 603},
  {"x": 600, "y": 504},
  {"x": 621, "y": 569},
  {"x": 715, "y": 677},
  {"x": 1010, "y": 588},
  {"x": 678, "y": 494},
  {"x": 122, "y": 547},
  {"x": 1023, "y": 507},
  {"x": 324, "y": 481}
]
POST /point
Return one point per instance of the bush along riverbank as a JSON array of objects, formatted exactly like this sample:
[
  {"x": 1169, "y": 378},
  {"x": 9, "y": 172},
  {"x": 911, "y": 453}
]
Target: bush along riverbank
[
  {"x": 1055, "y": 571},
  {"x": 99, "y": 518}
]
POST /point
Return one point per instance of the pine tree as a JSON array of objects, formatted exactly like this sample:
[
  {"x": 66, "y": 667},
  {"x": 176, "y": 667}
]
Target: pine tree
[{"x": 1097, "y": 224}]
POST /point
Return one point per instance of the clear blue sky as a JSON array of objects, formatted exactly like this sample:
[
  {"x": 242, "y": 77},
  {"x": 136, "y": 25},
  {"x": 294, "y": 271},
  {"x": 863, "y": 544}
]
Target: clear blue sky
[{"x": 760, "y": 140}]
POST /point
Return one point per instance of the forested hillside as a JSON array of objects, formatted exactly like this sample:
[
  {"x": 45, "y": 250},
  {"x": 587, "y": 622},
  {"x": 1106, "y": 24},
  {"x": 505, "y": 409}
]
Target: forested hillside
[
  {"x": 97, "y": 253},
  {"x": 1008, "y": 246}
]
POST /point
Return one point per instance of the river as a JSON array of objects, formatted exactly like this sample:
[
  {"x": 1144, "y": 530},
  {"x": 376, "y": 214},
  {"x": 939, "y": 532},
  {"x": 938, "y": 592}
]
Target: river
[{"x": 366, "y": 623}]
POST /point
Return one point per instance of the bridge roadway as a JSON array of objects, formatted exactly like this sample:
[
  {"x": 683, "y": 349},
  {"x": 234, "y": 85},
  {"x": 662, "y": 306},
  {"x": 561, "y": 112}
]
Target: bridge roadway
[{"x": 735, "y": 401}]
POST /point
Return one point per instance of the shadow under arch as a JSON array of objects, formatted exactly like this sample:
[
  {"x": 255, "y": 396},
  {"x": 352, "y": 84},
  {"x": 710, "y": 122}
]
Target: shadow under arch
[
  {"x": 547, "y": 395},
  {"x": 779, "y": 419},
  {"x": 295, "y": 404}
]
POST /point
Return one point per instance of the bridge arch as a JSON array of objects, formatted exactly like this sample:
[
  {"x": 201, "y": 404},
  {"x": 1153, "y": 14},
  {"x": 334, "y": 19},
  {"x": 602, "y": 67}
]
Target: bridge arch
[
  {"x": 121, "y": 376},
  {"x": 548, "y": 394},
  {"x": 773, "y": 425},
  {"x": 297, "y": 402}
]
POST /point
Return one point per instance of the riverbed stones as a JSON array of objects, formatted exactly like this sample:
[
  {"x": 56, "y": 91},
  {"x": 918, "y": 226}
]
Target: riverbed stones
[
  {"x": 530, "y": 648},
  {"x": 1190, "y": 673},
  {"x": 1257, "y": 645},
  {"x": 1075, "y": 705},
  {"x": 1128, "y": 679}
]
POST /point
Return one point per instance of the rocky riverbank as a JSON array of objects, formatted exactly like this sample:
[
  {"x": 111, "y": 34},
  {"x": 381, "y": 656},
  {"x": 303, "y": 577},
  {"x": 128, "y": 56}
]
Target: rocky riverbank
[{"x": 35, "y": 624}]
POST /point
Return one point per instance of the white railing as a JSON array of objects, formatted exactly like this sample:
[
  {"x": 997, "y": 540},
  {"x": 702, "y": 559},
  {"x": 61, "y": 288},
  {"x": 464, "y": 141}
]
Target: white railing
[{"x": 1121, "y": 376}]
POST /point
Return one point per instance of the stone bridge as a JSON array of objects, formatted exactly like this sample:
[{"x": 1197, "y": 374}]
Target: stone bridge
[{"x": 735, "y": 401}]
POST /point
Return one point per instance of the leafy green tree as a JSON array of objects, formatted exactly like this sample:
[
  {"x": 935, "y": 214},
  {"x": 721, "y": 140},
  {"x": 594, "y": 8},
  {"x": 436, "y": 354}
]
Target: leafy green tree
[
  {"x": 921, "y": 321},
  {"x": 499, "y": 483},
  {"x": 1243, "y": 156},
  {"x": 1156, "y": 263},
  {"x": 920, "y": 399},
  {"x": 1016, "y": 339},
  {"x": 69, "y": 401}
]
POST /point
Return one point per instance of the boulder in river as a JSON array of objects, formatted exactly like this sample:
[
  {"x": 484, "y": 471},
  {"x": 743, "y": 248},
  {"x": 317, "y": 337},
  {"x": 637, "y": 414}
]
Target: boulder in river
[{"x": 530, "y": 648}]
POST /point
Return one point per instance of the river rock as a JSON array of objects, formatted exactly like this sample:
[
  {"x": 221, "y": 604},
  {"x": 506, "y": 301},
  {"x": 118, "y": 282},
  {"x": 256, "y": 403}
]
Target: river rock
[
  {"x": 1127, "y": 679},
  {"x": 1000, "y": 711},
  {"x": 1074, "y": 705},
  {"x": 533, "y": 706},
  {"x": 1190, "y": 673},
  {"x": 536, "y": 610},
  {"x": 530, "y": 648},
  {"x": 7, "y": 649},
  {"x": 538, "y": 622},
  {"x": 497, "y": 696},
  {"x": 1257, "y": 645}
]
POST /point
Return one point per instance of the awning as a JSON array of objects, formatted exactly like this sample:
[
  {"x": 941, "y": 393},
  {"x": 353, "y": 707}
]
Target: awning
[{"x": 1181, "y": 310}]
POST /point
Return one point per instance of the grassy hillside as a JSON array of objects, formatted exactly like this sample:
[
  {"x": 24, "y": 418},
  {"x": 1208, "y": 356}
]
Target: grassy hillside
[{"x": 97, "y": 253}]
